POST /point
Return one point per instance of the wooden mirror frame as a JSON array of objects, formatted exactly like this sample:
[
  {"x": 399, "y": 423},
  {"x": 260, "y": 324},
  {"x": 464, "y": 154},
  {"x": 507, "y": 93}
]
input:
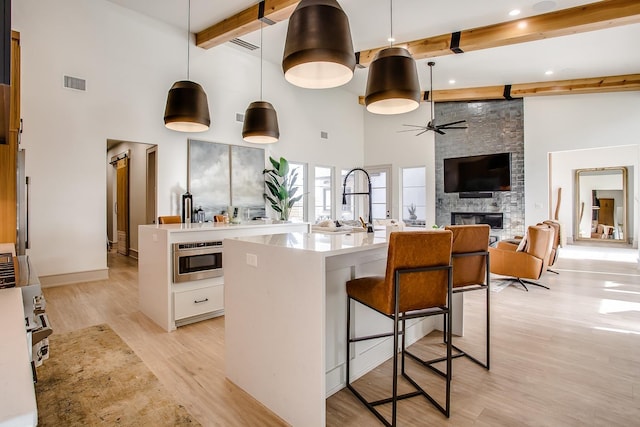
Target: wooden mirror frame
[{"x": 580, "y": 208}]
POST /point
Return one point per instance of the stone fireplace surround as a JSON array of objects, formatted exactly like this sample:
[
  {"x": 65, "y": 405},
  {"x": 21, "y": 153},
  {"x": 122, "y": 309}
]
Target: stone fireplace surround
[{"x": 493, "y": 127}]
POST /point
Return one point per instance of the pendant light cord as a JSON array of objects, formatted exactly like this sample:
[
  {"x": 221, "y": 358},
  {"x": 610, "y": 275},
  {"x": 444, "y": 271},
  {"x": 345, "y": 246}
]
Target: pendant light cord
[
  {"x": 391, "y": 21},
  {"x": 260, "y": 60},
  {"x": 188, "y": 35}
]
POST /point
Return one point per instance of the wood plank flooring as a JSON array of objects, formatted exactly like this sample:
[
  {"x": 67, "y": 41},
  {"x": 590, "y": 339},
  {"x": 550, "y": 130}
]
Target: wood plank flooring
[{"x": 569, "y": 356}]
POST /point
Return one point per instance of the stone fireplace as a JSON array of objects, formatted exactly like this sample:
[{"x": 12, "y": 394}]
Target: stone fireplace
[{"x": 493, "y": 127}]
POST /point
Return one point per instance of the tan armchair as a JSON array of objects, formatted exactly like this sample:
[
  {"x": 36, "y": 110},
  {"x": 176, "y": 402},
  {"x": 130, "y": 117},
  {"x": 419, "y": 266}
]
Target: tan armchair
[{"x": 526, "y": 265}]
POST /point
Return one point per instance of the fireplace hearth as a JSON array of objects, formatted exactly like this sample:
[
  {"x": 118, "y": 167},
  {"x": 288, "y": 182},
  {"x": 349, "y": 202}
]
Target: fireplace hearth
[{"x": 494, "y": 219}]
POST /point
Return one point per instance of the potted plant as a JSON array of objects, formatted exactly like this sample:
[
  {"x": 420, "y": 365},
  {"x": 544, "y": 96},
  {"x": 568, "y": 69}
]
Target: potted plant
[
  {"x": 281, "y": 187},
  {"x": 412, "y": 212}
]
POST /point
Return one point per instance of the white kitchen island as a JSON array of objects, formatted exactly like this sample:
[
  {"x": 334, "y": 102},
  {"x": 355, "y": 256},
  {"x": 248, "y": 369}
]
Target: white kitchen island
[
  {"x": 285, "y": 318},
  {"x": 165, "y": 302}
]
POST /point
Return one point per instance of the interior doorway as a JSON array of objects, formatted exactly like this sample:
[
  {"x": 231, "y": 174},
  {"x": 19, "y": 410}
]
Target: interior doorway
[{"x": 132, "y": 170}]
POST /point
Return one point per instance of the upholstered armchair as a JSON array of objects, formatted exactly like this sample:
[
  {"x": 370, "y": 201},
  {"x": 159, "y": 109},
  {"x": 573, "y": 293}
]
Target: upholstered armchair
[{"x": 526, "y": 262}]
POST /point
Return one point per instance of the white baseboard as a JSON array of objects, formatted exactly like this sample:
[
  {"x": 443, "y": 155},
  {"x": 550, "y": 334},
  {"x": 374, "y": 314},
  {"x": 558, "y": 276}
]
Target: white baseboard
[{"x": 70, "y": 278}]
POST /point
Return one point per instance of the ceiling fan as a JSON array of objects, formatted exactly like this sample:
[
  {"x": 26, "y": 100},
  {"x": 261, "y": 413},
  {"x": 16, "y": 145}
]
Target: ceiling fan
[{"x": 432, "y": 124}]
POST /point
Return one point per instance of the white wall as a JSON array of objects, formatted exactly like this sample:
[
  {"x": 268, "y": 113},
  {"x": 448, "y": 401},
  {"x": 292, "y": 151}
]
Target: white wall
[
  {"x": 130, "y": 62},
  {"x": 386, "y": 145},
  {"x": 572, "y": 122}
]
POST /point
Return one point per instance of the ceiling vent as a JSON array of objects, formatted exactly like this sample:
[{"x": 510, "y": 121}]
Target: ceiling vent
[
  {"x": 240, "y": 117},
  {"x": 244, "y": 44},
  {"x": 75, "y": 83}
]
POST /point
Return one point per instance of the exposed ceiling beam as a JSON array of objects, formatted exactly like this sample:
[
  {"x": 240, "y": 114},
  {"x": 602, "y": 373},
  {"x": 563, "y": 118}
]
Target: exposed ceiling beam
[
  {"x": 245, "y": 22},
  {"x": 588, "y": 17},
  {"x": 628, "y": 82}
]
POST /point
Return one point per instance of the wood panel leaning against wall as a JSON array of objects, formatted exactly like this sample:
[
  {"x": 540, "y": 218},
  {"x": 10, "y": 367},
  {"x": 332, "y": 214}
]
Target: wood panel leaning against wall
[{"x": 9, "y": 152}]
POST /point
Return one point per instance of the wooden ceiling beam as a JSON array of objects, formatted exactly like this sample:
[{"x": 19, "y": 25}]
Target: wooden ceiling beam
[
  {"x": 628, "y": 82},
  {"x": 588, "y": 17},
  {"x": 245, "y": 22}
]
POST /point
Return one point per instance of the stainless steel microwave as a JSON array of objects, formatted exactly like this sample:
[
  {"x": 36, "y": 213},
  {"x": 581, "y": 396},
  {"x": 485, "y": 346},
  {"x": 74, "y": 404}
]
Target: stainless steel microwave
[{"x": 196, "y": 261}]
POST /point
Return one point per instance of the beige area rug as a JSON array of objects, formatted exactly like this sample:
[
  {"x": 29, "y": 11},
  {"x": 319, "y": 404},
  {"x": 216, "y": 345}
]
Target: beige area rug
[{"x": 93, "y": 378}]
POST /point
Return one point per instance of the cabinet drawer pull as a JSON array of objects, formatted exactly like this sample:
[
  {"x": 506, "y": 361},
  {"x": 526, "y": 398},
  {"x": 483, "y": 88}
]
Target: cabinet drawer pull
[{"x": 199, "y": 301}]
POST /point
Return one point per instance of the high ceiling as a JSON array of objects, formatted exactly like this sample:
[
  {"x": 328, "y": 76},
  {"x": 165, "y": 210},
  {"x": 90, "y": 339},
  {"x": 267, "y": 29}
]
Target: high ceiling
[{"x": 607, "y": 52}]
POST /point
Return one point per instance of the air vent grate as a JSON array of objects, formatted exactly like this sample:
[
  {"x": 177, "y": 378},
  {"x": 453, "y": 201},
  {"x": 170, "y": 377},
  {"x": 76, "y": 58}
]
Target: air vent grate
[
  {"x": 244, "y": 44},
  {"x": 75, "y": 83},
  {"x": 239, "y": 117}
]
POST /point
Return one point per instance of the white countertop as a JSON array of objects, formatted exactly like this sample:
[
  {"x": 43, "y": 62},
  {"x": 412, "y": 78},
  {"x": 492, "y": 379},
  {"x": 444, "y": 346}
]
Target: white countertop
[
  {"x": 328, "y": 244},
  {"x": 215, "y": 226},
  {"x": 17, "y": 394}
]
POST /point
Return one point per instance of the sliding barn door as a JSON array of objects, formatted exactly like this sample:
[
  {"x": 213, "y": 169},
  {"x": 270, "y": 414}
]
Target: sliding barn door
[{"x": 122, "y": 214}]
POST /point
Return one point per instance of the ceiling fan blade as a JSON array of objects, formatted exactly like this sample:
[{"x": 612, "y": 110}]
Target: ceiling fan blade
[
  {"x": 453, "y": 123},
  {"x": 420, "y": 133},
  {"x": 410, "y": 130},
  {"x": 453, "y": 127},
  {"x": 415, "y": 126},
  {"x": 437, "y": 129}
]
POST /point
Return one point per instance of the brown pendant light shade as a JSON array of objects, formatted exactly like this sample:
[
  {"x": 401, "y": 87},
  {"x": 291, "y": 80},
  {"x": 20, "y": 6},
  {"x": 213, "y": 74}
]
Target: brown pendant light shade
[
  {"x": 318, "y": 52},
  {"x": 392, "y": 86},
  {"x": 187, "y": 109},
  {"x": 260, "y": 123}
]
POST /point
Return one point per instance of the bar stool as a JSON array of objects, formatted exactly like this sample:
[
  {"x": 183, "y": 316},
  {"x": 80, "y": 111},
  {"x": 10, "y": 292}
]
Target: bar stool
[
  {"x": 470, "y": 265},
  {"x": 417, "y": 283},
  {"x": 169, "y": 219}
]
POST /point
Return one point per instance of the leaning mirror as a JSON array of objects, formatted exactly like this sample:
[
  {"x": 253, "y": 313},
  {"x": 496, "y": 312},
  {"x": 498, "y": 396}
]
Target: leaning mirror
[{"x": 601, "y": 204}]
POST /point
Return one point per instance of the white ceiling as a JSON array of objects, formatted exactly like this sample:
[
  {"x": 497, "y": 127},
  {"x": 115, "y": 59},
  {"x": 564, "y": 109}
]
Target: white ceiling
[{"x": 599, "y": 53}]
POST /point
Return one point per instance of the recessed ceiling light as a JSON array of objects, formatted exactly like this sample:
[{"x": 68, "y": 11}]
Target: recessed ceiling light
[
  {"x": 391, "y": 39},
  {"x": 514, "y": 12},
  {"x": 548, "y": 72},
  {"x": 452, "y": 81},
  {"x": 522, "y": 25}
]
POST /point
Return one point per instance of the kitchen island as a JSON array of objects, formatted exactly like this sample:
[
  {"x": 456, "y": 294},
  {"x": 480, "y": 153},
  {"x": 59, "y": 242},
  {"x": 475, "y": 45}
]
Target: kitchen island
[
  {"x": 285, "y": 318},
  {"x": 172, "y": 304}
]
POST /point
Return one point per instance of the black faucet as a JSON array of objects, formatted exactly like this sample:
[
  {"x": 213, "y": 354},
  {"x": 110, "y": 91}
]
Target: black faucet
[{"x": 368, "y": 193}]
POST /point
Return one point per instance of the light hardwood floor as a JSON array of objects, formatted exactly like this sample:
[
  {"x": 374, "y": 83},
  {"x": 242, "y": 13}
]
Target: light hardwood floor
[{"x": 569, "y": 356}]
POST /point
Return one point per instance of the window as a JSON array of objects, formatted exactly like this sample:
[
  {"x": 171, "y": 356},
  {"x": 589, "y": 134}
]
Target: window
[
  {"x": 299, "y": 208},
  {"x": 414, "y": 195},
  {"x": 380, "y": 193},
  {"x": 323, "y": 193},
  {"x": 348, "y": 211}
]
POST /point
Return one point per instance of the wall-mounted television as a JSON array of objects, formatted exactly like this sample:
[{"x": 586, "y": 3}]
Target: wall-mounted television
[{"x": 489, "y": 172}]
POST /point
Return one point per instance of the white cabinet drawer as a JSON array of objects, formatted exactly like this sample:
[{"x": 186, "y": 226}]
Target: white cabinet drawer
[{"x": 198, "y": 301}]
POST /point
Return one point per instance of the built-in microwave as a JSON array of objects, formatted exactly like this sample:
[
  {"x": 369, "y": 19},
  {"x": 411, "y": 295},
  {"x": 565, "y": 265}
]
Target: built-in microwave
[{"x": 196, "y": 261}]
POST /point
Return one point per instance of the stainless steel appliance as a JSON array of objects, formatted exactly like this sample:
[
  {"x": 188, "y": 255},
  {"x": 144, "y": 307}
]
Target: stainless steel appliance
[
  {"x": 17, "y": 271},
  {"x": 197, "y": 260},
  {"x": 187, "y": 208}
]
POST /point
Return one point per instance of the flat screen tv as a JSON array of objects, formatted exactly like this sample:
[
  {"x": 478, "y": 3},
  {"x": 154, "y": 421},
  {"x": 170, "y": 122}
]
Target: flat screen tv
[{"x": 489, "y": 172}]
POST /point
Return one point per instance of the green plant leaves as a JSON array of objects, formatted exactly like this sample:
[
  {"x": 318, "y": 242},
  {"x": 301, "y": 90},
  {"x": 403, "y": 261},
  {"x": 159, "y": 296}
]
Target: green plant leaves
[{"x": 281, "y": 186}]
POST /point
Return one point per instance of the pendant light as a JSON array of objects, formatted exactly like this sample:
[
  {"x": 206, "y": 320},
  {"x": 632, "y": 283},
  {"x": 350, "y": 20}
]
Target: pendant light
[
  {"x": 318, "y": 52},
  {"x": 392, "y": 85},
  {"x": 187, "y": 109},
  {"x": 260, "y": 120}
]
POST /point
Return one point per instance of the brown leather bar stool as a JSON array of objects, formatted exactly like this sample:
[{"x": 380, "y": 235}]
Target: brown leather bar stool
[
  {"x": 417, "y": 283},
  {"x": 470, "y": 264},
  {"x": 169, "y": 219}
]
